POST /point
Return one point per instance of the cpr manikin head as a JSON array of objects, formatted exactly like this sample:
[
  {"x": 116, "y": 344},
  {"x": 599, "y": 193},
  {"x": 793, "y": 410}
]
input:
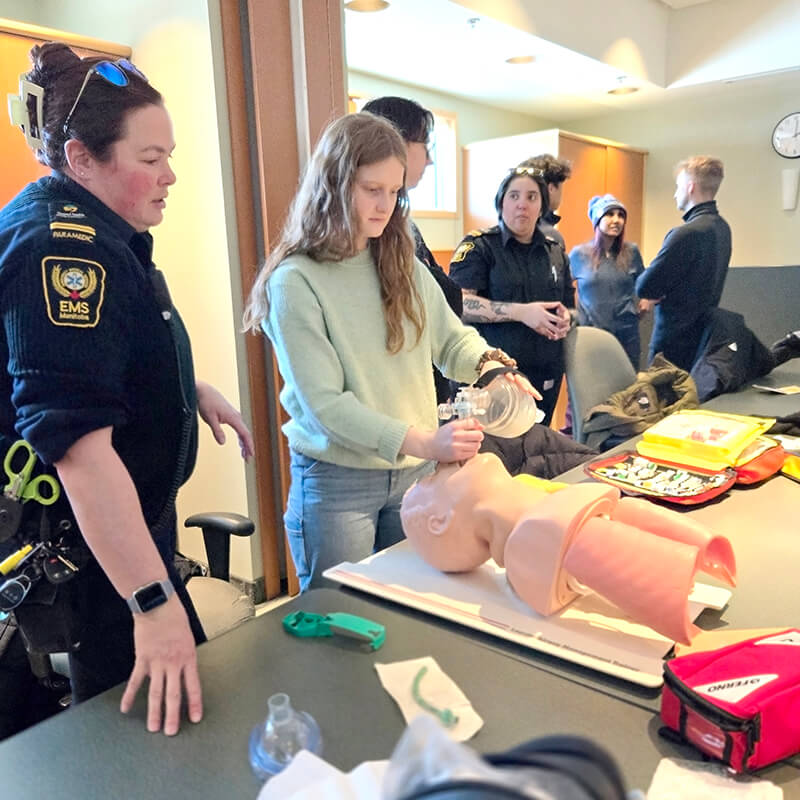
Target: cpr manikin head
[{"x": 460, "y": 516}]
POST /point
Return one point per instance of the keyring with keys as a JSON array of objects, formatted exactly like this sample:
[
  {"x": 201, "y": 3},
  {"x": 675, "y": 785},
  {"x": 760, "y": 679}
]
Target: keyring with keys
[
  {"x": 21, "y": 486},
  {"x": 13, "y": 591}
]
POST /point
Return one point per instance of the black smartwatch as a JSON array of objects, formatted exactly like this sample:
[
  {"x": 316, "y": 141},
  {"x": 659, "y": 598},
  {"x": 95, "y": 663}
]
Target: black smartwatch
[{"x": 150, "y": 596}]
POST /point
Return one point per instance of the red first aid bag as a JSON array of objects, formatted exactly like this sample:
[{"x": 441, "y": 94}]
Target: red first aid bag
[{"x": 739, "y": 704}]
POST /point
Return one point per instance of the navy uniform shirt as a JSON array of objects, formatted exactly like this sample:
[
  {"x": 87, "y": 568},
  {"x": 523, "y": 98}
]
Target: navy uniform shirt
[
  {"x": 498, "y": 267},
  {"x": 85, "y": 340}
]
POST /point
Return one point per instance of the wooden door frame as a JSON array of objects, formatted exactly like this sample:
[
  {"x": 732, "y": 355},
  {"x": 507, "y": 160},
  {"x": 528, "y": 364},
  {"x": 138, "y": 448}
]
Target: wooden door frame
[{"x": 284, "y": 70}]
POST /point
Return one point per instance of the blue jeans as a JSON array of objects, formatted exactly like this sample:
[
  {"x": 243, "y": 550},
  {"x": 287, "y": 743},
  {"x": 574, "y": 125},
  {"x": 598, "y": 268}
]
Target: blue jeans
[{"x": 337, "y": 514}]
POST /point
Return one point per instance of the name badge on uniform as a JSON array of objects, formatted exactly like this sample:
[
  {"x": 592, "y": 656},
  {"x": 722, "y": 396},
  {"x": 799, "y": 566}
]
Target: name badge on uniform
[{"x": 74, "y": 289}]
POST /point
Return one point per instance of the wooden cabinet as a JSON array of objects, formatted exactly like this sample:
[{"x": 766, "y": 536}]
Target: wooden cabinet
[{"x": 598, "y": 166}]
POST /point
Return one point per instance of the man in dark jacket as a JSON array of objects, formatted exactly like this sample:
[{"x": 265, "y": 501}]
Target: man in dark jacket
[{"x": 686, "y": 278}]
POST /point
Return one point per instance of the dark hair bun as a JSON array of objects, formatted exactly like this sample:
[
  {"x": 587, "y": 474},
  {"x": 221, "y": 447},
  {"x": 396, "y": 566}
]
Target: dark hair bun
[{"x": 50, "y": 61}]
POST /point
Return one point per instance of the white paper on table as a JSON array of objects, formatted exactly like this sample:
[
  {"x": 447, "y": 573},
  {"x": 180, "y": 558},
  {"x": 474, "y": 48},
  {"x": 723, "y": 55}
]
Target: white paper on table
[
  {"x": 436, "y": 688},
  {"x": 695, "y": 780},
  {"x": 589, "y": 631},
  {"x": 308, "y": 777}
]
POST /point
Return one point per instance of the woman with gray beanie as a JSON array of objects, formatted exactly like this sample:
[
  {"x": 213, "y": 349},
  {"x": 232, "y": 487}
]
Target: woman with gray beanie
[{"x": 605, "y": 271}]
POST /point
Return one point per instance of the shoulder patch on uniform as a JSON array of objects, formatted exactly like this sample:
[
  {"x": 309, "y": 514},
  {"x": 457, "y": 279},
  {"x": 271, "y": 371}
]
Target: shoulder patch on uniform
[
  {"x": 67, "y": 221},
  {"x": 476, "y": 232},
  {"x": 462, "y": 251},
  {"x": 74, "y": 289}
]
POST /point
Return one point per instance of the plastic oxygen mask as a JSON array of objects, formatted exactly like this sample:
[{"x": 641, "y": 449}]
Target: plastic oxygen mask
[{"x": 501, "y": 407}]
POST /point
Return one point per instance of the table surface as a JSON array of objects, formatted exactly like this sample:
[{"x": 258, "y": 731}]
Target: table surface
[
  {"x": 756, "y": 401},
  {"x": 92, "y": 751}
]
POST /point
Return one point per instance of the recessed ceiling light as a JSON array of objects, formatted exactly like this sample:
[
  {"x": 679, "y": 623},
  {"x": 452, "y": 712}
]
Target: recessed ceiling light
[
  {"x": 366, "y": 5},
  {"x": 521, "y": 60},
  {"x": 623, "y": 87}
]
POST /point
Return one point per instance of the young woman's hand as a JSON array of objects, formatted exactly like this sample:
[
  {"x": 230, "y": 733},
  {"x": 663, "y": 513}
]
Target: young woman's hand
[
  {"x": 523, "y": 384},
  {"x": 458, "y": 440}
]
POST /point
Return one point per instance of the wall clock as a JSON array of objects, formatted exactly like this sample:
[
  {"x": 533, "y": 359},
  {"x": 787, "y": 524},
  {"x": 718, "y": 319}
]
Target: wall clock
[{"x": 786, "y": 136}]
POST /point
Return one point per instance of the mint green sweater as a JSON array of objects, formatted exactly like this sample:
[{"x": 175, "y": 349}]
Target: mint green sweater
[{"x": 350, "y": 401}]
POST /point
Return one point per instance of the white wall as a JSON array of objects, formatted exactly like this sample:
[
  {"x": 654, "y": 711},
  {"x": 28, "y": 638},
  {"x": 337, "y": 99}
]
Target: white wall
[
  {"x": 727, "y": 38},
  {"x": 172, "y": 44},
  {"x": 735, "y": 124},
  {"x": 474, "y": 121}
]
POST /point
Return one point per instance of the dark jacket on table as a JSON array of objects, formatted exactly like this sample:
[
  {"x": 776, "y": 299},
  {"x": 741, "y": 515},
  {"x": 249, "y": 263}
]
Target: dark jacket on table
[
  {"x": 730, "y": 355},
  {"x": 541, "y": 451}
]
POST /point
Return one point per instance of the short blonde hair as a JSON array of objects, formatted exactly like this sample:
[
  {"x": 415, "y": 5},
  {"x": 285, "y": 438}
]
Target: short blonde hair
[{"x": 706, "y": 171}]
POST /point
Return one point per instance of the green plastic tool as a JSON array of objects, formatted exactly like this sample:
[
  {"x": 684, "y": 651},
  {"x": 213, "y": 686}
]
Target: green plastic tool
[{"x": 305, "y": 624}]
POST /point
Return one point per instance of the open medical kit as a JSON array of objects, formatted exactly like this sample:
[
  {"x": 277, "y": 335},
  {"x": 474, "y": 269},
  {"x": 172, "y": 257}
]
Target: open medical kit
[
  {"x": 693, "y": 456},
  {"x": 739, "y": 704}
]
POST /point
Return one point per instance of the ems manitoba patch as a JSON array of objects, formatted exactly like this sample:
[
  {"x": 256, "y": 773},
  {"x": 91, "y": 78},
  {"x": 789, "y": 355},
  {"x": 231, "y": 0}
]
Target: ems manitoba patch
[
  {"x": 462, "y": 251},
  {"x": 73, "y": 290}
]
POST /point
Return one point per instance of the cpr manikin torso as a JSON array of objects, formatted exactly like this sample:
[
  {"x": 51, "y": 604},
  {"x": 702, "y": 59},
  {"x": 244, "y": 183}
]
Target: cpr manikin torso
[{"x": 641, "y": 557}]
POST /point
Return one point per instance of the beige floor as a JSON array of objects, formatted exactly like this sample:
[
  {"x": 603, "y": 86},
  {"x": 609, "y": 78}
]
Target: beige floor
[{"x": 262, "y": 608}]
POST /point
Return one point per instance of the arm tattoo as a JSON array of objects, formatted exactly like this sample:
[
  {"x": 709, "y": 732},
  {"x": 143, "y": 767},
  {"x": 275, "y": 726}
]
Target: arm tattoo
[
  {"x": 479, "y": 309},
  {"x": 499, "y": 307}
]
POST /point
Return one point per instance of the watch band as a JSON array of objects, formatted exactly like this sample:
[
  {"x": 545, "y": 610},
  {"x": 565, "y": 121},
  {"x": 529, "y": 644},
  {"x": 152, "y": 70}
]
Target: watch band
[{"x": 150, "y": 596}]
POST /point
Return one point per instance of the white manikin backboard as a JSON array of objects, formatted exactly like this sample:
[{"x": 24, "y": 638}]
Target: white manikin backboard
[{"x": 589, "y": 631}]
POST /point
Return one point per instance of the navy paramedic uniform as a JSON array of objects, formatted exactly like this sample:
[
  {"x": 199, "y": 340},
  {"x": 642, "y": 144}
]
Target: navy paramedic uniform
[
  {"x": 90, "y": 340},
  {"x": 499, "y": 267}
]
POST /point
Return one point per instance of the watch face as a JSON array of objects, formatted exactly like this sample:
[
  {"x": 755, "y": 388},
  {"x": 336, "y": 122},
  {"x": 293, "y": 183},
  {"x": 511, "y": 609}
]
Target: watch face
[
  {"x": 150, "y": 596},
  {"x": 786, "y": 136}
]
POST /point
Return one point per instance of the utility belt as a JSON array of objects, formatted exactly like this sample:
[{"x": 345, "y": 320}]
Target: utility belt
[{"x": 41, "y": 573}]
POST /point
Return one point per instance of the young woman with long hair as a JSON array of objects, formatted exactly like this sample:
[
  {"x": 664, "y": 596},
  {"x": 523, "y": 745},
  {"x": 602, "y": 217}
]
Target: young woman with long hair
[{"x": 355, "y": 321}]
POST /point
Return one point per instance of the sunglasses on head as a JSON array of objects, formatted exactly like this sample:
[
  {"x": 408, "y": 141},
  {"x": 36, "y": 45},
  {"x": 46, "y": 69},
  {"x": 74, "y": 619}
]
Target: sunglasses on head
[
  {"x": 114, "y": 72},
  {"x": 531, "y": 172}
]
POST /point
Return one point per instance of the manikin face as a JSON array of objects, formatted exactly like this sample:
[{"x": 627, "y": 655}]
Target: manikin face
[
  {"x": 522, "y": 207},
  {"x": 612, "y": 223},
  {"x": 459, "y": 516},
  {"x": 375, "y": 196},
  {"x": 683, "y": 188},
  {"x": 135, "y": 181},
  {"x": 418, "y": 159}
]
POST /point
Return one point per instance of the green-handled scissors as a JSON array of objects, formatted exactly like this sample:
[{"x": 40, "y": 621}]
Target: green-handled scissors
[{"x": 21, "y": 487}]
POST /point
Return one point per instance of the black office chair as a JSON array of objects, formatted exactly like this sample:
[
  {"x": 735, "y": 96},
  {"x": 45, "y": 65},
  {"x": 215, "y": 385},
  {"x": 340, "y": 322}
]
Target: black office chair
[{"x": 220, "y": 605}]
